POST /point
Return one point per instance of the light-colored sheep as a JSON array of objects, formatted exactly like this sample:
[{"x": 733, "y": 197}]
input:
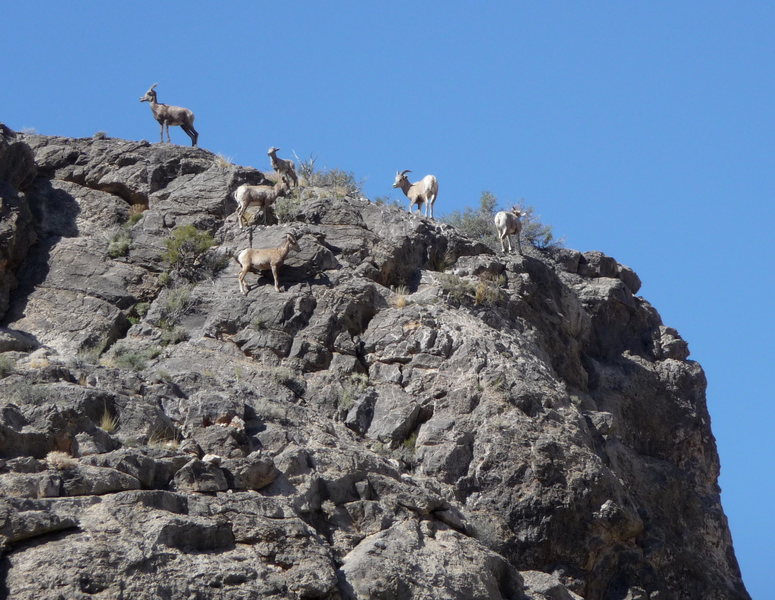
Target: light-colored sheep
[
  {"x": 262, "y": 196},
  {"x": 261, "y": 259},
  {"x": 419, "y": 192},
  {"x": 285, "y": 168},
  {"x": 507, "y": 223},
  {"x": 168, "y": 115}
]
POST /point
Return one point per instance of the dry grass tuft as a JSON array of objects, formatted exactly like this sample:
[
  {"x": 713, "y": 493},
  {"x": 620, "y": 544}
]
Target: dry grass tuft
[
  {"x": 57, "y": 459},
  {"x": 399, "y": 299},
  {"x": 108, "y": 421}
]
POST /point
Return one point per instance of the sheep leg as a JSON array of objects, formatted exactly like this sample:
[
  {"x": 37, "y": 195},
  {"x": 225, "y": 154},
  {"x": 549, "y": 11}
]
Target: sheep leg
[
  {"x": 276, "y": 279},
  {"x": 191, "y": 132},
  {"x": 161, "y": 132},
  {"x": 242, "y": 287}
]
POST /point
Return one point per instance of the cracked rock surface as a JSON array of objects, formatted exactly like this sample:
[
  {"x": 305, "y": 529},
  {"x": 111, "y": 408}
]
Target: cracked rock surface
[{"x": 414, "y": 417}]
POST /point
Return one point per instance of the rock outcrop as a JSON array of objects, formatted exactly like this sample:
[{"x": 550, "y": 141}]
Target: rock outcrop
[{"x": 413, "y": 417}]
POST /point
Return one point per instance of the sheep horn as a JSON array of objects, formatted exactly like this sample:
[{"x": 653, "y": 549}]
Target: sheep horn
[
  {"x": 405, "y": 171},
  {"x": 153, "y": 86}
]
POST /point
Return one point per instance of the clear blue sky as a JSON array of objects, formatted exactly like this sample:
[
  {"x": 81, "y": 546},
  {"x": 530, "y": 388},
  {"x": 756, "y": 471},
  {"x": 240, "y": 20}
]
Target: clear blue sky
[{"x": 641, "y": 129}]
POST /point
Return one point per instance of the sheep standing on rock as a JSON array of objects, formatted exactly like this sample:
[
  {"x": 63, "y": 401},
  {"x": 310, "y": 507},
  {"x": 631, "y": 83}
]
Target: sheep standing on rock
[
  {"x": 168, "y": 115},
  {"x": 507, "y": 223},
  {"x": 261, "y": 259},
  {"x": 285, "y": 168},
  {"x": 423, "y": 191},
  {"x": 262, "y": 196}
]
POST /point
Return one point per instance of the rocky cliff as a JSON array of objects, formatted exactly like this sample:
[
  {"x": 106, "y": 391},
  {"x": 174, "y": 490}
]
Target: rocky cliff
[{"x": 414, "y": 417}]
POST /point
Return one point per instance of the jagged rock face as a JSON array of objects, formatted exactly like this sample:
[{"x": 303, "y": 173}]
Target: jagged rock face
[{"x": 413, "y": 417}]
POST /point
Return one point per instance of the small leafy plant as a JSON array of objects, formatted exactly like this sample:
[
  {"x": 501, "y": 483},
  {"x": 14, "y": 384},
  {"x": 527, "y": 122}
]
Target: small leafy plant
[{"x": 185, "y": 251}]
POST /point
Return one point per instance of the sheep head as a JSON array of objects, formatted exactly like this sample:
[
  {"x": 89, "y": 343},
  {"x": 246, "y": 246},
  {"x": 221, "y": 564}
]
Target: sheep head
[
  {"x": 516, "y": 211},
  {"x": 401, "y": 177},
  {"x": 292, "y": 238},
  {"x": 271, "y": 151},
  {"x": 150, "y": 94}
]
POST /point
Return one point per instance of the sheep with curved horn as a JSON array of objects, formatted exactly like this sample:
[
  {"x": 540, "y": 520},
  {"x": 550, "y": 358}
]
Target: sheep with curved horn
[{"x": 420, "y": 192}]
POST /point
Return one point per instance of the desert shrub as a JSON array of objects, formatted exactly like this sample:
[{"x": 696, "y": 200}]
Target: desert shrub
[
  {"x": 60, "y": 460},
  {"x": 456, "y": 289},
  {"x": 211, "y": 263},
  {"x": 7, "y": 366},
  {"x": 91, "y": 350},
  {"x": 222, "y": 161},
  {"x": 185, "y": 251},
  {"x": 341, "y": 183},
  {"x": 173, "y": 335},
  {"x": 478, "y": 224},
  {"x": 489, "y": 290},
  {"x": 127, "y": 357},
  {"x": 165, "y": 279},
  {"x": 288, "y": 378},
  {"x": 24, "y": 392},
  {"x": 177, "y": 302},
  {"x": 351, "y": 389},
  {"x": 137, "y": 312},
  {"x": 388, "y": 201},
  {"x": 119, "y": 243},
  {"x": 135, "y": 213},
  {"x": 286, "y": 208},
  {"x": 535, "y": 232}
]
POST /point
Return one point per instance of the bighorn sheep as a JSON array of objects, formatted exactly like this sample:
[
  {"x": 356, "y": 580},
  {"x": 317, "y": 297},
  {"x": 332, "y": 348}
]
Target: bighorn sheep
[
  {"x": 423, "y": 191},
  {"x": 261, "y": 195},
  {"x": 285, "y": 168},
  {"x": 168, "y": 115},
  {"x": 507, "y": 223},
  {"x": 261, "y": 259}
]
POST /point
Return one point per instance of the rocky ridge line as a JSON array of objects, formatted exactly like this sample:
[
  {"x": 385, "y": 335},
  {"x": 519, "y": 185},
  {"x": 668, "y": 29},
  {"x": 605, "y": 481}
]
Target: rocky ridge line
[{"x": 415, "y": 417}]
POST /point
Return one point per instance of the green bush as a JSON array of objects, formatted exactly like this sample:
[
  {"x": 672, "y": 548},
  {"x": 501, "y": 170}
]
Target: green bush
[
  {"x": 175, "y": 335},
  {"x": 177, "y": 302},
  {"x": 457, "y": 289},
  {"x": 478, "y": 224},
  {"x": 342, "y": 183},
  {"x": 185, "y": 250},
  {"x": 126, "y": 357},
  {"x": 489, "y": 290},
  {"x": 91, "y": 350},
  {"x": 7, "y": 366},
  {"x": 119, "y": 243}
]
